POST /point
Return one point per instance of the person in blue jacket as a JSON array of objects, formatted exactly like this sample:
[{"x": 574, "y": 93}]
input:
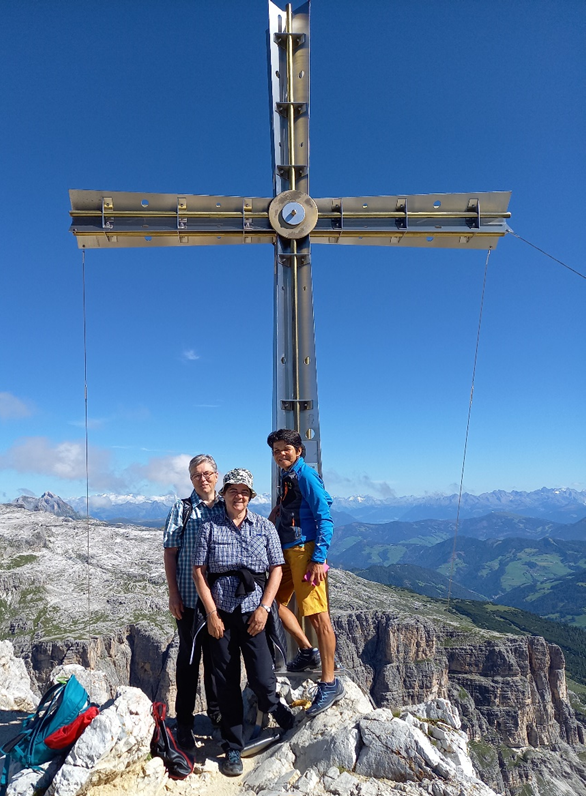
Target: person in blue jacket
[{"x": 305, "y": 527}]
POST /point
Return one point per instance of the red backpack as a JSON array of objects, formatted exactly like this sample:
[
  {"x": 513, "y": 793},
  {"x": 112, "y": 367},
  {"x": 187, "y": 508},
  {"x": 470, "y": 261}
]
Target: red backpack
[{"x": 164, "y": 745}]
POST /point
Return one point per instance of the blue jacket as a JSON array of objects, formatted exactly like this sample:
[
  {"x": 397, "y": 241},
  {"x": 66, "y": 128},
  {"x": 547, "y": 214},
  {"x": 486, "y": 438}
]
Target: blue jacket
[{"x": 305, "y": 510}]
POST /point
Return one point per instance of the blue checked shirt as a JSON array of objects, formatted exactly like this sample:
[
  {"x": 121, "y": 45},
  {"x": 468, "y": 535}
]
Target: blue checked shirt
[
  {"x": 222, "y": 546},
  {"x": 173, "y": 536}
]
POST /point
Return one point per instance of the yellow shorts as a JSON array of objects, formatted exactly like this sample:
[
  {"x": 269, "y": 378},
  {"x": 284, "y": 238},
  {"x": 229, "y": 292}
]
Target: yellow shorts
[{"x": 310, "y": 599}]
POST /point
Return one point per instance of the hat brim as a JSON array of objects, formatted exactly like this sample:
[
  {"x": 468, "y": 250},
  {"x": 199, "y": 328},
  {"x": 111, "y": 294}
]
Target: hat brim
[{"x": 231, "y": 483}]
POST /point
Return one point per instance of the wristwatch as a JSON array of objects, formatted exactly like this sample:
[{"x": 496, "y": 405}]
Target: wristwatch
[{"x": 266, "y": 607}]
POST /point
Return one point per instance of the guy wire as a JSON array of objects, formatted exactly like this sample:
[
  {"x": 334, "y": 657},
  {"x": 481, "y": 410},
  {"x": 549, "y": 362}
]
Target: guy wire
[
  {"x": 551, "y": 257},
  {"x": 467, "y": 429},
  {"x": 87, "y": 471}
]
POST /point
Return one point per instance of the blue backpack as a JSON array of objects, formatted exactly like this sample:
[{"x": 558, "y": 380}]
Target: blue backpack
[{"x": 60, "y": 705}]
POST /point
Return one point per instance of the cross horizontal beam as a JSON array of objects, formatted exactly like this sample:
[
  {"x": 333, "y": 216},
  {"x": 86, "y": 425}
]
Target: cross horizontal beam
[{"x": 125, "y": 219}]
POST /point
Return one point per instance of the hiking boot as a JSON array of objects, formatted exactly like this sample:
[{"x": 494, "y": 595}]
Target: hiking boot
[
  {"x": 284, "y": 716},
  {"x": 185, "y": 737},
  {"x": 305, "y": 659},
  {"x": 327, "y": 694},
  {"x": 231, "y": 766}
]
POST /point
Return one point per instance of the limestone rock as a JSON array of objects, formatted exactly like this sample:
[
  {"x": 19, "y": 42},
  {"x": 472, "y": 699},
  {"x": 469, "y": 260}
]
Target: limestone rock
[
  {"x": 15, "y": 684},
  {"x": 95, "y": 682},
  {"x": 118, "y": 738},
  {"x": 352, "y": 750},
  {"x": 397, "y": 750},
  {"x": 29, "y": 782},
  {"x": 436, "y": 710}
]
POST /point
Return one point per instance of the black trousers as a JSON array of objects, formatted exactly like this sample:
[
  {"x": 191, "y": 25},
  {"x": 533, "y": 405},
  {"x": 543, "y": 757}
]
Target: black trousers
[
  {"x": 259, "y": 668},
  {"x": 188, "y": 674}
]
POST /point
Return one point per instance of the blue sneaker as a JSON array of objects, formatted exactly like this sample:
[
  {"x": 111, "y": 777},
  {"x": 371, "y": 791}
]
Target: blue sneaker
[
  {"x": 327, "y": 694},
  {"x": 305, "y": 659},
  {"x": 232, "y": 766}
]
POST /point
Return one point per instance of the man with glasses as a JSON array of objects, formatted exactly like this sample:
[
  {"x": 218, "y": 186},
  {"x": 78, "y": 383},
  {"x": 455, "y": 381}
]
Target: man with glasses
[{"x": 179, "y": 541}]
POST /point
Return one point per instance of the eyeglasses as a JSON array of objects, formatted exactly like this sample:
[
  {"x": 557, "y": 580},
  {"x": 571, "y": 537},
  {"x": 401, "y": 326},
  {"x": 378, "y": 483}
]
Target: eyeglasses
[
  {"x": 201, "y": 476},
  {"x": 242, "y": 491}
]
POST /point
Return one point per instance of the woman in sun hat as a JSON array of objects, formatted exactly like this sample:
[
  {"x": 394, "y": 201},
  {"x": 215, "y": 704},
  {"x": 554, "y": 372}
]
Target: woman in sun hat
[{"x": 230, "y": 565}]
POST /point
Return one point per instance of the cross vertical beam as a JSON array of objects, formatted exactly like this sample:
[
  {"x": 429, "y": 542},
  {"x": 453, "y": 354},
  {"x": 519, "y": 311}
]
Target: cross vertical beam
[{"x": 295, "y": 402}]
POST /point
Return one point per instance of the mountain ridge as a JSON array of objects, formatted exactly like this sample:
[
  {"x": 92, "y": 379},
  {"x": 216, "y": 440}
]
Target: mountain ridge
[{"x": 556, "y": 504}]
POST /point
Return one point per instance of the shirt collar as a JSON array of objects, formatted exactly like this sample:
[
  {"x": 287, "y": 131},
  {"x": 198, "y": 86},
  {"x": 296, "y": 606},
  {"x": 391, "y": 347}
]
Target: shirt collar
[
  {"x": 198, "y": 501},
  {"x": 248, "y": 519},
  {"x": 296, "y": 467}
]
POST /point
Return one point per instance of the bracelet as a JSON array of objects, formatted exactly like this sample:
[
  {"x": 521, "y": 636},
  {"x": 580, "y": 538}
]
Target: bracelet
[
  {"x": 215, "y": 611},
  {"x": 266, "y": 607}
]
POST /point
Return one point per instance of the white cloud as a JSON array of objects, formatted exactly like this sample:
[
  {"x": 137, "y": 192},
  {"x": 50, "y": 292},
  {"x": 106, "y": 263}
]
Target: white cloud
[
  {"x": 165, "y": 471},
  {"x": 12, "y": 408},
  {"x": 190, "y": 355},
  {"x": 65, "y": 460}
]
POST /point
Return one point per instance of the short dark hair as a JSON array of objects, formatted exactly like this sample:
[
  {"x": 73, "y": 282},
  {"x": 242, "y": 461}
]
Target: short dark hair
[{"x": 286, "y": 435}]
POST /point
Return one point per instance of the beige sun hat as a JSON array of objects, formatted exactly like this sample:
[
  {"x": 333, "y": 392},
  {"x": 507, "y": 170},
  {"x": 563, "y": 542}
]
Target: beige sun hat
[{"x": 238, "y": 476}]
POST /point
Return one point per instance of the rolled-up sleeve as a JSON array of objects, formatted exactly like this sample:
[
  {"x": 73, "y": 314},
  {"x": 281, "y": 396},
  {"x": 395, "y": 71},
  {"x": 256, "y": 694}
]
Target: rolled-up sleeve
[{"x": 173, "y": 532}]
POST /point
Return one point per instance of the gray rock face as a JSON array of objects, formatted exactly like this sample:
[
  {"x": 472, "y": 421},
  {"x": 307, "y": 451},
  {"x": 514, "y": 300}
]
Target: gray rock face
[
  {"x": 117, "y": 738},
  {"x": 48, "y": 502},
  {"x": 351, "y": 750},
  {"x": 15, "y": 684},
  {"x": 400, "y": 648},
  {"x": 510, "y": 691}
]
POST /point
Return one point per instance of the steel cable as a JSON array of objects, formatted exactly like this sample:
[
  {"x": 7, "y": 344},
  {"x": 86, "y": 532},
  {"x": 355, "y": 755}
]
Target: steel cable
[
  {"x": 87, "y": 472},
  {"x": 467, "y": 429},
  {"x": 551, "y": 257}
]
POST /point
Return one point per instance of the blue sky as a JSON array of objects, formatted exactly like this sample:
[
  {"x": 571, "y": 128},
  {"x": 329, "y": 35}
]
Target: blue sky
[{"x": 417, "y": 97}]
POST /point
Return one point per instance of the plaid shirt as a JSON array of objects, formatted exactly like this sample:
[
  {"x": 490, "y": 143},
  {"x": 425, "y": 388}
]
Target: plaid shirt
[
  {"x": 222, "y": 546},
  {"x": 174, "y": 536}
]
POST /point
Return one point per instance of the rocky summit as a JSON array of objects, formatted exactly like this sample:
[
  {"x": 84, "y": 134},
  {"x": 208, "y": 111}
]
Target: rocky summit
[
  {"x": 48, "y": 502},
  {"x": 350, "y": 749},
  {"x": 92, "y": 594}
]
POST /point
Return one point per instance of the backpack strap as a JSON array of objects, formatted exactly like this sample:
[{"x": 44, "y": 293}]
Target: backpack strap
[
  {"x": 9, "y": 745},
  {"x": 4, "y": 777},
  {"x": 187, "y": 509},
  {"x": 159, "y": 711}
]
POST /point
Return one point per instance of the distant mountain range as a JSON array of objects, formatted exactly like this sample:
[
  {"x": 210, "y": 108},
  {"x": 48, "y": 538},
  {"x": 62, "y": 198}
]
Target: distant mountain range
[
  {"x": 141, "y": 510},
  {"x": 48, "y": 502},
  {"x": 533, "y": 563},
  {"x": 559, "y": 505},
  {"x": 361, "y": 545},
  {"x": 530, "y": 564}
]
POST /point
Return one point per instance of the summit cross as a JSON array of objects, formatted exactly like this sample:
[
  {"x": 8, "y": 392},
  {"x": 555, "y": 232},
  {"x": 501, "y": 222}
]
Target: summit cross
[{"x": 291, "y": 220}]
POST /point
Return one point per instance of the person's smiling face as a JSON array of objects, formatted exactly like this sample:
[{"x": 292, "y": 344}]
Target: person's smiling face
[
  {"x": 237, "y": 497},
  {"x": 285, "y": 455}
]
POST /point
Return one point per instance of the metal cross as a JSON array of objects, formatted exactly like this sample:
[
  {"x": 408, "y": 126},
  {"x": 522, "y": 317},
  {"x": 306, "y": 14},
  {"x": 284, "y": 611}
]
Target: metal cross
[{"x": 291, "y": 220}]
